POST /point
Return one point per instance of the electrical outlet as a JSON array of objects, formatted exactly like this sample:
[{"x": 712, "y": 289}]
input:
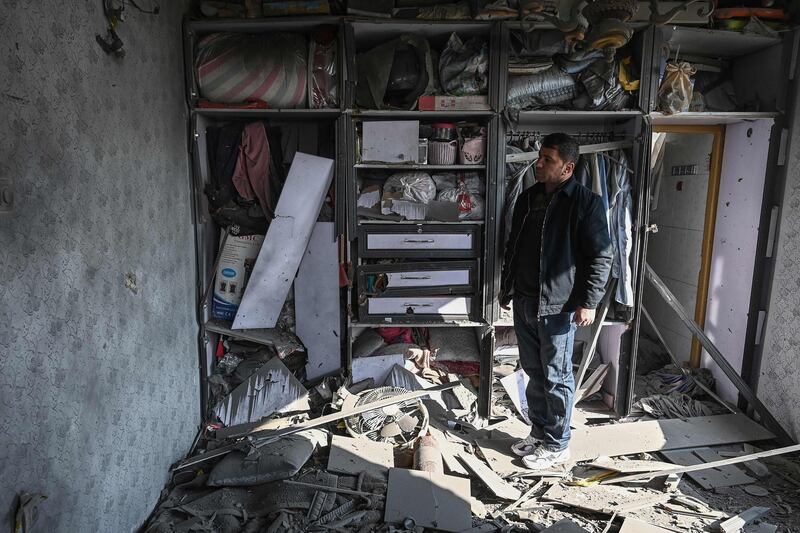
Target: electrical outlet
[{"x": 6, "y": 196}]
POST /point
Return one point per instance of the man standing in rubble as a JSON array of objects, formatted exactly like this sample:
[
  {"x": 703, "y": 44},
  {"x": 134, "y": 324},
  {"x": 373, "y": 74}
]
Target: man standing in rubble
[{"x": 556, "y": 265}]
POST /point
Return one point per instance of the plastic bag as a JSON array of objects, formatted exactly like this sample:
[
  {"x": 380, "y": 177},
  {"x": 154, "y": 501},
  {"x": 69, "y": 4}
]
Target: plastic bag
[
  {"x": 323, "y": 86},
  {"x": 464, "y": 67},
  {"x": 414, "y": 186},
  {"x": 237, "y": 67},
  {"x": 675, "y": 93},
  {"x": 471, "y": 181},
  {"x": 471, "y": 206}
]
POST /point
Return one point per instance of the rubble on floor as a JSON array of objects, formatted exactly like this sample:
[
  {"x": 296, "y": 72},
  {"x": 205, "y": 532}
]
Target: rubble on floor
[{"x": 403, "y": 450}]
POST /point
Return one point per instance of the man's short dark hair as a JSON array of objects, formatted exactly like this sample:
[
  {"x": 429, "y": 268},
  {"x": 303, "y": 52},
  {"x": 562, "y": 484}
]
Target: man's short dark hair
[{"x": 566, "y": 146}]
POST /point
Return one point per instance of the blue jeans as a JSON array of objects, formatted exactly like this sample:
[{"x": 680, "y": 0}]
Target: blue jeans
[{"x": 545, "y": 353}]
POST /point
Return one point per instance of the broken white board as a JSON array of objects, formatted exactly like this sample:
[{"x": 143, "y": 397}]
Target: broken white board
[
  {"x": 395, "y": 141},
  {"x": 377, "y": 367},
  {"x": 316, "y": 303},
  {"x": 287, "y": 237},
  {"x": 353, "y": 456},
  {"x": 432, "y": 500},
  {"x": 271, "y": 389},
  {"x": 515, "y": 385},
  {"x": 495, "y": 483}
]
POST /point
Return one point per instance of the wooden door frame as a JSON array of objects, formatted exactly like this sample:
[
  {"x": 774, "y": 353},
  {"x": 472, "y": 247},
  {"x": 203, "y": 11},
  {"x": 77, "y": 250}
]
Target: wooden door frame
[{"x": 709, "y": 225}]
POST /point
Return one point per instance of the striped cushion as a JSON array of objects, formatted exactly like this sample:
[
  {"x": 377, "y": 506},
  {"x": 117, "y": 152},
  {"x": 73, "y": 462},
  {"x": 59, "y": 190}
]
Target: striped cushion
[{"x": 235, "y": 67}]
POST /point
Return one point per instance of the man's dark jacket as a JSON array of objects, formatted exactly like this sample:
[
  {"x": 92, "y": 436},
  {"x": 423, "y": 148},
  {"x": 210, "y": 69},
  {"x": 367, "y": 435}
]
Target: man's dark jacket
[{"x": 576, "y": 249}]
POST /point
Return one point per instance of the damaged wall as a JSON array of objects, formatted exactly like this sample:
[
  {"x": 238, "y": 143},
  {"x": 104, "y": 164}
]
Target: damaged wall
[
  {"x": 98, "y": 382},
  {"x": 778, "y": 386}
]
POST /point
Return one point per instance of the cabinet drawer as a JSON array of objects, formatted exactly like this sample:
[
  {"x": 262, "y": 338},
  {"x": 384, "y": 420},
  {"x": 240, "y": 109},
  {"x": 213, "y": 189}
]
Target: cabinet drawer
[
  {"x": 419, "y": 241},
  {"x": 417, "y": 306},
  {"x": 443, "y": 277}
]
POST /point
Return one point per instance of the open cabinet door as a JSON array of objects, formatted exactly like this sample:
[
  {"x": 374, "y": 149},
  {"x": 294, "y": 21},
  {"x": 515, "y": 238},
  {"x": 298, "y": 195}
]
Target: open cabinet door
[{"x": 641, "y": 232}]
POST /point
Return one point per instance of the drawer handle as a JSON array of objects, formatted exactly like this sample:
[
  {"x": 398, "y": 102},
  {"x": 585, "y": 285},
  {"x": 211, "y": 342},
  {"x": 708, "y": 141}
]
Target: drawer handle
[
  {"x": 417, "y": 305},
  {"x": 419, "y": 240},
  {"x": 414, "y": 277}
]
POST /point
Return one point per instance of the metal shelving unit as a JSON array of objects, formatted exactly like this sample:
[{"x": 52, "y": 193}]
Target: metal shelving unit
[{"x": 356, "y": 34}]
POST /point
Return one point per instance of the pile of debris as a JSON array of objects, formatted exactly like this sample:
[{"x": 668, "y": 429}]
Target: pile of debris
[{"x": 394, "y": 458}]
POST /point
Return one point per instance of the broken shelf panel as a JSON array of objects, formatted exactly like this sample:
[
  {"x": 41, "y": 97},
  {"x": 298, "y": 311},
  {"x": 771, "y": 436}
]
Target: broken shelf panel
[
  {"x": 287, "y": 237},
  {"x": 495, "y": 483},
  {"x": 316, "y": 303},
  {"x": 431, "y": 500},
  {"x": 353, "y": 456},
  {"x": 711, "y": 478},
  {"x": 271, "y": 389}
]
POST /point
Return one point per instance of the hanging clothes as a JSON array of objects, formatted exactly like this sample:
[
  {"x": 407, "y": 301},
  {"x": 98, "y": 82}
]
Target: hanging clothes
[
  {"x": 621, "y": 218},
  {"x": 251, "y": 176},
  {"x": 609, "y": 180}
]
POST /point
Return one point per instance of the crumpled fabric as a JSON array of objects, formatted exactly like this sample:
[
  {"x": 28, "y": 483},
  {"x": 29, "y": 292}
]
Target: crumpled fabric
[
  {"x": 670, "y": 379},
  {"x": 251, "y": 175},
  {"x": 673, "y": 405}
]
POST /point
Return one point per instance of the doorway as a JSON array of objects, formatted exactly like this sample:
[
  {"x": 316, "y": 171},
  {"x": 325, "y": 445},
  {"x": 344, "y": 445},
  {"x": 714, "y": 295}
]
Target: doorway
[{"x": 686, "y": 171}]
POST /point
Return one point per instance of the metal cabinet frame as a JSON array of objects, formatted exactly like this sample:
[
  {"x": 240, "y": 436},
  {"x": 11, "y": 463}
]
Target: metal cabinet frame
[{"x": 649, "y": 41}]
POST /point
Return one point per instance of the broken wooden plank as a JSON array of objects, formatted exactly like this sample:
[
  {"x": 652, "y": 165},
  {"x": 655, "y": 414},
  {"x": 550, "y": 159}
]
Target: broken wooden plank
[
  {"x": 631, "y": 466},
  {"x": 726, "y": 476},
  {"x": 431, "y": 500},
  {"x": 495, "y": 483},
  {"x": 716, "y": 464},
  {"x": 448, "y": 450},
  {"x": 500, "y": 457},
  {"x": 597, "y": 498},
  {"x": 632, "y": 525},
  {"x": 353, "y": 456},
  {"x": 732, "y": 475},
  {"x": 655, "y": 435},
  {"x": 736, "y": 523},
  {"x": 717, "y": 356}
]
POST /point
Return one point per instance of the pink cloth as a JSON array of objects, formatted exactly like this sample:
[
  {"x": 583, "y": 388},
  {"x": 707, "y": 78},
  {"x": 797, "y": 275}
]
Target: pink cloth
[{"x": 251, "y": 175}]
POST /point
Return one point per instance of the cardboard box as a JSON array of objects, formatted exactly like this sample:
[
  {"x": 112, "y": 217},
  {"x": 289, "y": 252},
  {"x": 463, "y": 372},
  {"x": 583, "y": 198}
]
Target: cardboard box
[{"x": 454, "y": 103}]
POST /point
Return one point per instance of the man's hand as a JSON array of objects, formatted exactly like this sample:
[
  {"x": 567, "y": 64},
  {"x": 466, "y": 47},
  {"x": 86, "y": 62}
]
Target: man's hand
[
  {"x": 584, "y": 317},
  {"x": 506, "y": 307}
]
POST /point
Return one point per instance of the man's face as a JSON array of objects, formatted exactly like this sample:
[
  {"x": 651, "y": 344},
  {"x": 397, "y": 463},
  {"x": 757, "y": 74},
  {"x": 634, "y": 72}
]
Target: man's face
[{"x": 550, "y": 168}]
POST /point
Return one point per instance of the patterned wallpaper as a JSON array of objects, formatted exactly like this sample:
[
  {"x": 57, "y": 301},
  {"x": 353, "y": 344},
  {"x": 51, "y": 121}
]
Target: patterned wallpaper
[
  {"x": 779, "y": 386},
  {"x": 99, "y": 389}
]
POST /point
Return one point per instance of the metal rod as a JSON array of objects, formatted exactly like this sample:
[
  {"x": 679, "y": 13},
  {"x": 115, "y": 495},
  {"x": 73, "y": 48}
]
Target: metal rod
[
  {"x": 704, "y": 466},
  {"x": 332, "y": 489},
  {"x": 717, "y": 356},
  {"x": 680, "y": 367}
]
